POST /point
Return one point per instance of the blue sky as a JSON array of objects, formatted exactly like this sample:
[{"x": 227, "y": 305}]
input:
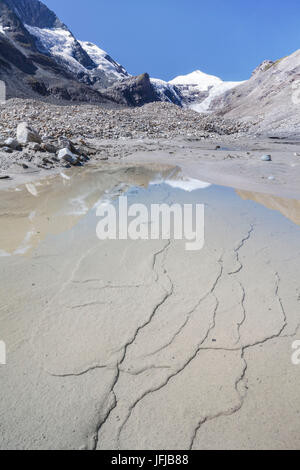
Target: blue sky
[{"x": 166, "y": 38}]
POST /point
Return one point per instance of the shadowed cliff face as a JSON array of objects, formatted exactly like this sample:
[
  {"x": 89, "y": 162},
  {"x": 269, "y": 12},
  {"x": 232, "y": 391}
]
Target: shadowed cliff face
[{"x": 135, "y": 91}]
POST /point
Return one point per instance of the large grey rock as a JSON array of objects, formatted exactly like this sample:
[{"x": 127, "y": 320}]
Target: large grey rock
[
  {"x": 135, "y": 91},
  {"x": 26, "y": 134},
  {"x": 7, "y": 149},
  {"x": 12, "y": 143},
  {"x": 68, "y": 156}
]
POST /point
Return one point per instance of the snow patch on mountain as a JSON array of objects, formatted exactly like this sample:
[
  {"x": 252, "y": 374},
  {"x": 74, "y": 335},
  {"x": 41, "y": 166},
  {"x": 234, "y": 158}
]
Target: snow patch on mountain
[
  {"x": 166, "y": 91},
  {"x": 63, "y": 46},
  {"x": 104, "y": 62},
  {"x": 59, "y": 43},
  {"x": 218, "y": 90}
]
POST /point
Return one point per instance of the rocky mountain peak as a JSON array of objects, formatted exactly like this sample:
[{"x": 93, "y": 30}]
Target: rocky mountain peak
[
  {"x": 263, "y": 67},
  {"x": 35, "y": 13}
]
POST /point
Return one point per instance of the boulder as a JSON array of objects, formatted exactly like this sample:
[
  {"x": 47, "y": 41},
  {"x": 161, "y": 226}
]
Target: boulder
[
  {"x": 48, "y": 148},
  {"x": 7, "y": 149},
  {"x": 68, "y": 144},
  {"x": 12, "y": 143},
  {"x": 68, "y": 156},
  {"x": 26, "y": 134},
  {"x": 134, "y": 91}
]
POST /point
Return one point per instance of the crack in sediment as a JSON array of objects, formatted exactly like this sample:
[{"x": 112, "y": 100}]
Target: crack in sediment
[
  {"x": 190, "y": 313},
  {"x": 186, "y": 364},
  {"x": 230, "y": 412},
  {"x": 166, "y": 296},
  {"x": 280, "y": 302},
  {"x": 239, "y": 247},
  {"x": 243, "y": 375},
  {"x": 241, "y": 323}
]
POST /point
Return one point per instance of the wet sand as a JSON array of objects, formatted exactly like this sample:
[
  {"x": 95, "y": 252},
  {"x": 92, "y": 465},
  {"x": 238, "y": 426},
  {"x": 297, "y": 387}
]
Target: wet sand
[{"x": 143, "y": 345}]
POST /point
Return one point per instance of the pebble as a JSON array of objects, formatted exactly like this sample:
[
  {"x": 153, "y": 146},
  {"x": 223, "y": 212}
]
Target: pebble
[{"x": 266, "y": 158}]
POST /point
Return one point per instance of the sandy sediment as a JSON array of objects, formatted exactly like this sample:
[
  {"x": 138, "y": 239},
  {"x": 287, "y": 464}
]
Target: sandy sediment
[{"x": 143, "y": 345}]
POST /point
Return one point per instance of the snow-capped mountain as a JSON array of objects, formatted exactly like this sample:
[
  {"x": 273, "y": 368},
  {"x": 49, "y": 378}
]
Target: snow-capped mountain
[
  {"x": 199, "y": 89},
  {"x": 197, "y": 79},
  {"x": 40, "y": 55},
  {"x": 88, "y": 62}
]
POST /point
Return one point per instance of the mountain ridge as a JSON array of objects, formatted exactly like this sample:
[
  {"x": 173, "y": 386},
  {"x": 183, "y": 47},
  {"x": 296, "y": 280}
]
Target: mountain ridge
[{"x": 39, "y": 56}]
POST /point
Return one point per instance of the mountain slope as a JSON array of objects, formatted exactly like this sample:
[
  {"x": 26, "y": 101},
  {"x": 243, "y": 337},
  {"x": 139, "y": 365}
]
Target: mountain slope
[
  {"x": 53, "y": 38},
  {"x": 270, "y": 98},
  {"x": 39, "y": 55}
]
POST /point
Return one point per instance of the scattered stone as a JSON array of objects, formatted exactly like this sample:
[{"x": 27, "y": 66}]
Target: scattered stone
[
  {"x": 48, "y": 148},
  {"x": 26, "y": 134},
  {"x": 34, "y": 146},
  {"x": 7, "y": 149},
  {"x": 68, "y": 144},
  {"x": 12, "y": 143},
  {"x": 83, "y": 159},
  {"x": 68, "y": 156},
  {"x": 47, "y": 161},
  {"x": 266, "y": 158}
]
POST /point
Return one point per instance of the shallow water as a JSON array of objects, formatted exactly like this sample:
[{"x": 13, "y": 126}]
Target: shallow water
[
  {"x": 32, "y": 212},
  {"x": 131, "y": 344}
]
